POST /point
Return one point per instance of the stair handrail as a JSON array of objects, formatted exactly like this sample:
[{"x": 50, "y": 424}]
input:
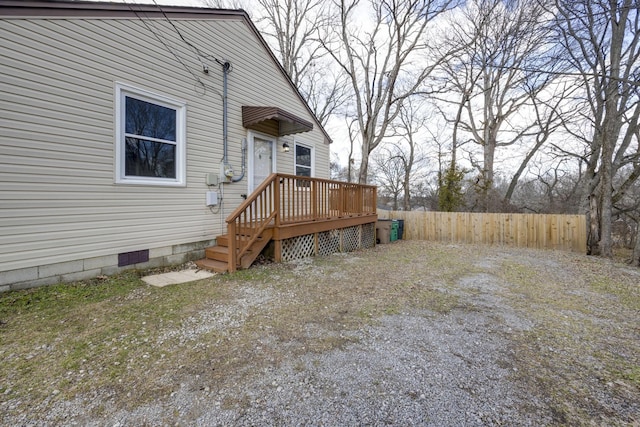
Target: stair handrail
[
  {"x": 277, "y": 201},
  {"x": 235, "y": 252}
]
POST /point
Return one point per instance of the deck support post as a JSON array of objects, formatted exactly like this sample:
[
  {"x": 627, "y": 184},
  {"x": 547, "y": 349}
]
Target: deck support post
[{"x": 277, "y": 250}]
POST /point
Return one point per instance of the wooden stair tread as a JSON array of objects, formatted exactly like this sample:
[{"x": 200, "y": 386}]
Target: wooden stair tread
[
  {"x": 212, "y": 265},
  {"x": 223, "y": 240},
  {"x": 218, "y": 249},
  {"x": 224, "y": 250},
  {"x": 217, "y": 257},
  {"x": 240, "y": 236}
]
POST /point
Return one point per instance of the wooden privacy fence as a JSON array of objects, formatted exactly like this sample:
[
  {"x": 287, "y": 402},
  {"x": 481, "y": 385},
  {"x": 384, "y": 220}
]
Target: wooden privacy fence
[{"x": 563, "y": 232}]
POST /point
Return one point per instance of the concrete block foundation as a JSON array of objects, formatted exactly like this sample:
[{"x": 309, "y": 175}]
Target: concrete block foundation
[{"x": 88, "y": 268}]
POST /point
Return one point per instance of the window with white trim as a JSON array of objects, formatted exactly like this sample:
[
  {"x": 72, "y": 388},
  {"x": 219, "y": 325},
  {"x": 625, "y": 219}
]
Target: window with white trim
[
  {"x": 303, "y": 160},
  {"x": 150, "y": 141},
  {"x": 303, "y": 163}
]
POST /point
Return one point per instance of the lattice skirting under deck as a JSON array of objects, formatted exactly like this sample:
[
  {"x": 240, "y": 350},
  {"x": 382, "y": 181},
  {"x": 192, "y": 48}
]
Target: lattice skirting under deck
[{"x": 328, "y": 242}]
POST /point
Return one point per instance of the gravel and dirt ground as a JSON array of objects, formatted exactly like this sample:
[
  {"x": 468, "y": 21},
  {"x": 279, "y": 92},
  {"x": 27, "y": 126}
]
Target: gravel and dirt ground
[{"x": 410, "y": 333}]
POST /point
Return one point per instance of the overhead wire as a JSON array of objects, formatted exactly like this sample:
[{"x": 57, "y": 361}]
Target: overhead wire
[
  {"x": 197, "y": 51},
  {"x": 187, "y": 42},
  {"x": 199, "y": 54}
]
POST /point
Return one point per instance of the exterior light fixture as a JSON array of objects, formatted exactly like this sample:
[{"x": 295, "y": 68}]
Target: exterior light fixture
[{"x": 285, "y": 147}]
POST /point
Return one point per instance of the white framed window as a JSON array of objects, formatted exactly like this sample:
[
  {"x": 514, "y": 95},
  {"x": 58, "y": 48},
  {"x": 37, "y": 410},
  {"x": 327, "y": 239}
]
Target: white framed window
[
  {"x": 303, "y": 158},
  {"x": 150, "y": 138}
]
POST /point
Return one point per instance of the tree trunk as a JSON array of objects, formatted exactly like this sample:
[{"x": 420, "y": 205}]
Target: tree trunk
[
  {"x": 364, "y": 167},
  {"x": 487, "y": 174},
  {"x": 635, "y": 258},
  {"x": 606, "y": 205},
  {"x": 593, "y": 221},
  {"x": 406, "y": 202}
]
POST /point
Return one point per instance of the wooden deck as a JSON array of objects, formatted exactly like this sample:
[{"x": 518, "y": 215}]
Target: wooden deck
[{"x": 285, "y": 207}]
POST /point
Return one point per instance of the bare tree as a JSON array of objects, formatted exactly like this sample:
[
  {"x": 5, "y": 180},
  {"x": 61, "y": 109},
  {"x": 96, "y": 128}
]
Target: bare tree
[
  {"x": 388, "y": 165},
  {"x": 552, "y": 187},
  {"x": 336, "y": 170},
  {"x": 225, "y": 4},
  {"x": 399, "y": 163},
  {"x": 602, "y": 43},
  {"x": 450, "y": 193},
  {"x": 291, "y": 27},
  {"x": 353, "y": 136},
  {"x": 408, "y": 127},
  {"x": 501, "y": 73},
  {"x": 424, "y": 195},
  {"x": 380, "y": 60},
  {"x": 635, "y": 257}
]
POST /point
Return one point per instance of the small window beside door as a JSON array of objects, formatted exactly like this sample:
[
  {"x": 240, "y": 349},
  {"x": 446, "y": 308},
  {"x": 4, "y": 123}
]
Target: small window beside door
[{"x": 303, "y": 163}]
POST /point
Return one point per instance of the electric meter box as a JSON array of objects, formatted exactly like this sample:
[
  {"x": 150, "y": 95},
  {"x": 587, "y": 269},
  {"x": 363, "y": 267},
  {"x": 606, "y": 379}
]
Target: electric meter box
[
  {"x": 226, "y": 172},
  {"x": 212, "y": 198}
]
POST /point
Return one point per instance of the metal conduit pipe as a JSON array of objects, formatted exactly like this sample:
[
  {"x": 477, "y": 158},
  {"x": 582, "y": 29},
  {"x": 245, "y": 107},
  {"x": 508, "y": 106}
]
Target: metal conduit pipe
[
  {"x": 226, "y": 66},
  {"x": 225, "y": 71}
]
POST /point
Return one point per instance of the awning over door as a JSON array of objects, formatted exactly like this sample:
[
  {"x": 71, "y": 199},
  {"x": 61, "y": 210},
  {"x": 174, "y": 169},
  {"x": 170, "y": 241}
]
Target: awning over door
[{"x": 273, "y": 121}]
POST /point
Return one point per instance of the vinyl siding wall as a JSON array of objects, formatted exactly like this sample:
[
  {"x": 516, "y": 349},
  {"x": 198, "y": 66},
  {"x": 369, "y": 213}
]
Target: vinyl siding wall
[{"x": 58, "y": 199}]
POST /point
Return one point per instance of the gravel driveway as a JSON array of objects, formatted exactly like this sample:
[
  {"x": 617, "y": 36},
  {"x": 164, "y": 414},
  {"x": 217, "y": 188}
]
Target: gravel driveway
[{"x": 412, "y": 333}]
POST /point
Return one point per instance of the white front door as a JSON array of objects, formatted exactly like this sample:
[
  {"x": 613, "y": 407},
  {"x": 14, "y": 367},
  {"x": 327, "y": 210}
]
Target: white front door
[{"x": 262, "y": 159}]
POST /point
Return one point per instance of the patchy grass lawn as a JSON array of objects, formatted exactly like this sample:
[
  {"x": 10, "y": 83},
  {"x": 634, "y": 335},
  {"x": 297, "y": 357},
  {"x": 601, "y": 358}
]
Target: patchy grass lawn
[{"x": 98, "y": 340}]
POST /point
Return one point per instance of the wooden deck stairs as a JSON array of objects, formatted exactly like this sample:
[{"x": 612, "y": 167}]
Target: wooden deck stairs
[
  {"x": 217, "y": 257},
  {"x": 285, "y": 207}
]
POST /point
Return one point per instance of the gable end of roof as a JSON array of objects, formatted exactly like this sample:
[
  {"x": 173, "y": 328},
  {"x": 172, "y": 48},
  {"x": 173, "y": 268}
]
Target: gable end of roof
[{"x": 86, "y": 9}]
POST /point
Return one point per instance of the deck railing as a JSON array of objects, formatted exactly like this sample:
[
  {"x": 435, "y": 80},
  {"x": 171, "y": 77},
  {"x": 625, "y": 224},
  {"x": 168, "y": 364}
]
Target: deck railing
[{"x": 290, "y": 199}]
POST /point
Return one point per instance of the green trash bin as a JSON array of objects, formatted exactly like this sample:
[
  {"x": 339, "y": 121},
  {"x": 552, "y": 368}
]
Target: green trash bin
[{"x": 394, "y": 231}]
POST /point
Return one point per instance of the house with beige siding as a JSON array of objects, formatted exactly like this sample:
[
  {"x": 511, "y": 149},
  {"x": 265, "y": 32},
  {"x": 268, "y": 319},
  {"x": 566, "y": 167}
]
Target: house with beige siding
[{"x": 129, "y": 133}]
